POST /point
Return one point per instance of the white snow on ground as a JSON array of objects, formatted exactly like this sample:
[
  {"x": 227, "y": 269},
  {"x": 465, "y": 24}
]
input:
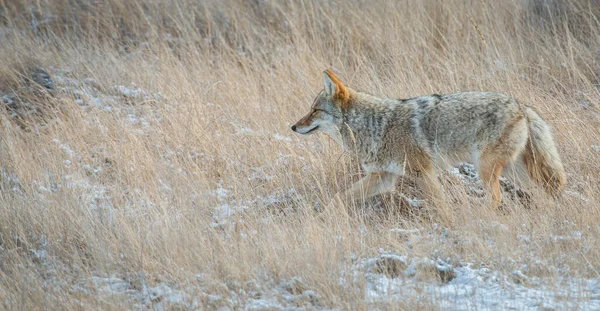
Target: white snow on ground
[
  {"x": 281, "y": 137},
  {"x": 405, "y": 231},
  {"x": 470, "y": 288},
  {"x": 90, "y": 94},
  {"x": 162, "y": 296},
  {"x": 292, "y": 294},
  {"x": 577, "y": 195},
  {"x": 228, "y": 208},
  {"x": 387, "y": 278},
  {"x": 467, "y": 174},
  {"x": 133, "y": 92}
]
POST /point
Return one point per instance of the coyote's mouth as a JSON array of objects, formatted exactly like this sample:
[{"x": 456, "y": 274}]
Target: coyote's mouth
[{"x": 312, "y": 129}]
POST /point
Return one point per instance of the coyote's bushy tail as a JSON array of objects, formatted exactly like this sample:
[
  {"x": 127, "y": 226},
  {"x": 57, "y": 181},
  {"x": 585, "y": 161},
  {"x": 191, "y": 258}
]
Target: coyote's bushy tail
[{"x": 540, "y": 155}]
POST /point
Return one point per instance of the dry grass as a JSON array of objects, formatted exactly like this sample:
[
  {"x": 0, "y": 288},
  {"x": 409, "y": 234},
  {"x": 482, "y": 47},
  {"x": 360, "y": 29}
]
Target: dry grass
[{"x": 135, "y": 192}]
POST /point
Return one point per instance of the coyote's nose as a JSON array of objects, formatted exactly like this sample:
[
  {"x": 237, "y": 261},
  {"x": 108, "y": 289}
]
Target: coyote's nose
[{"x": 293, "y": 128}]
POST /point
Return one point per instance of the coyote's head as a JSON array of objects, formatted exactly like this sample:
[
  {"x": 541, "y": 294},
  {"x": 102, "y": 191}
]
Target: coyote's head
[{"x": 326, "y": 111}]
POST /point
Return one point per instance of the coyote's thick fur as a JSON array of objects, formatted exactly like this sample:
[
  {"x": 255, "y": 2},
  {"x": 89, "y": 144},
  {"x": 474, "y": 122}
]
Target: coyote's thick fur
[{"x": 422, "y": 134}]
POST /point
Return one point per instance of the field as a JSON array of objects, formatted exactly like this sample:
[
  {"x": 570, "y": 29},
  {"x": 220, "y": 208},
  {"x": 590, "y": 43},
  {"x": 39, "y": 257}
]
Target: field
[{"x": 147, "y": 161}]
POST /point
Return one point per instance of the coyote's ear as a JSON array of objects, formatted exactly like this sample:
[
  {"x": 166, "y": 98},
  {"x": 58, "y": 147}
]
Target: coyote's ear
[
  {"x": 328, "y": 83},
  {"x": 334, "y": 87}
]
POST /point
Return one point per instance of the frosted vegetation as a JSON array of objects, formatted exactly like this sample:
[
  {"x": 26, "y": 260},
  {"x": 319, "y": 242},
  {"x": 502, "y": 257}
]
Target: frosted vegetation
[{"x": 146, "y": 160}]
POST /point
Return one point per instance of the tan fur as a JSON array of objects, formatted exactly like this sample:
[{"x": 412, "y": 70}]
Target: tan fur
[
  {"x": 541, "y": 158},
  {"x": 424, "y": 134},
  {"x": 342, "y": 93}
]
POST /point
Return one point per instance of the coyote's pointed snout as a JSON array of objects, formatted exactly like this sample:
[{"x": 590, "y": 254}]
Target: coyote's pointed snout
[{"x": 326, "y": 110}]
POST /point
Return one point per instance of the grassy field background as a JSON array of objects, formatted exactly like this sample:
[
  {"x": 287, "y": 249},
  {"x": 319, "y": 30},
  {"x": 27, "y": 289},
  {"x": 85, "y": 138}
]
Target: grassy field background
[{"x": 146, "y": 159}]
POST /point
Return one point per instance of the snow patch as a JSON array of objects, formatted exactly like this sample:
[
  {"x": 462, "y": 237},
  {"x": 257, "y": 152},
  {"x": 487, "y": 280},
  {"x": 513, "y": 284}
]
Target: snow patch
[
  {"x": 577, "y": 195},
  {"x": 281, "y": 137},
  {"x": 162, "y": 296},
  {"x": 471, "y": 288}
]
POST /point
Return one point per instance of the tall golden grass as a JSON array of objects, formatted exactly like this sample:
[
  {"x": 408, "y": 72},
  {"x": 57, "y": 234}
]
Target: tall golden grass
[{"x": 135, "y": 191}]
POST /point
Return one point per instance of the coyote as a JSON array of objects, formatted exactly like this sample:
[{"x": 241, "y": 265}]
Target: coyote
[{"x": 421, "y": 135}]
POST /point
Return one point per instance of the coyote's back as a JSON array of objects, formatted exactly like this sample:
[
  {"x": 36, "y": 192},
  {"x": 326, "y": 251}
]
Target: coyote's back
[{"x": 492, "y": 130}]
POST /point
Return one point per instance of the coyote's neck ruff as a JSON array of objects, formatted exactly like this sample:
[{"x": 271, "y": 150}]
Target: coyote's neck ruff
[
  {"x": 392, "y": 137},
  {"x": 367, "y": 120}
]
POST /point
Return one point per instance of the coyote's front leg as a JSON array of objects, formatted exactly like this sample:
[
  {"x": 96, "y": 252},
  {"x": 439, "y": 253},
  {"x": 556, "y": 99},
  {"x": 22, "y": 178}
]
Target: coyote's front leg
[{"x": 372, "y": 184}]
